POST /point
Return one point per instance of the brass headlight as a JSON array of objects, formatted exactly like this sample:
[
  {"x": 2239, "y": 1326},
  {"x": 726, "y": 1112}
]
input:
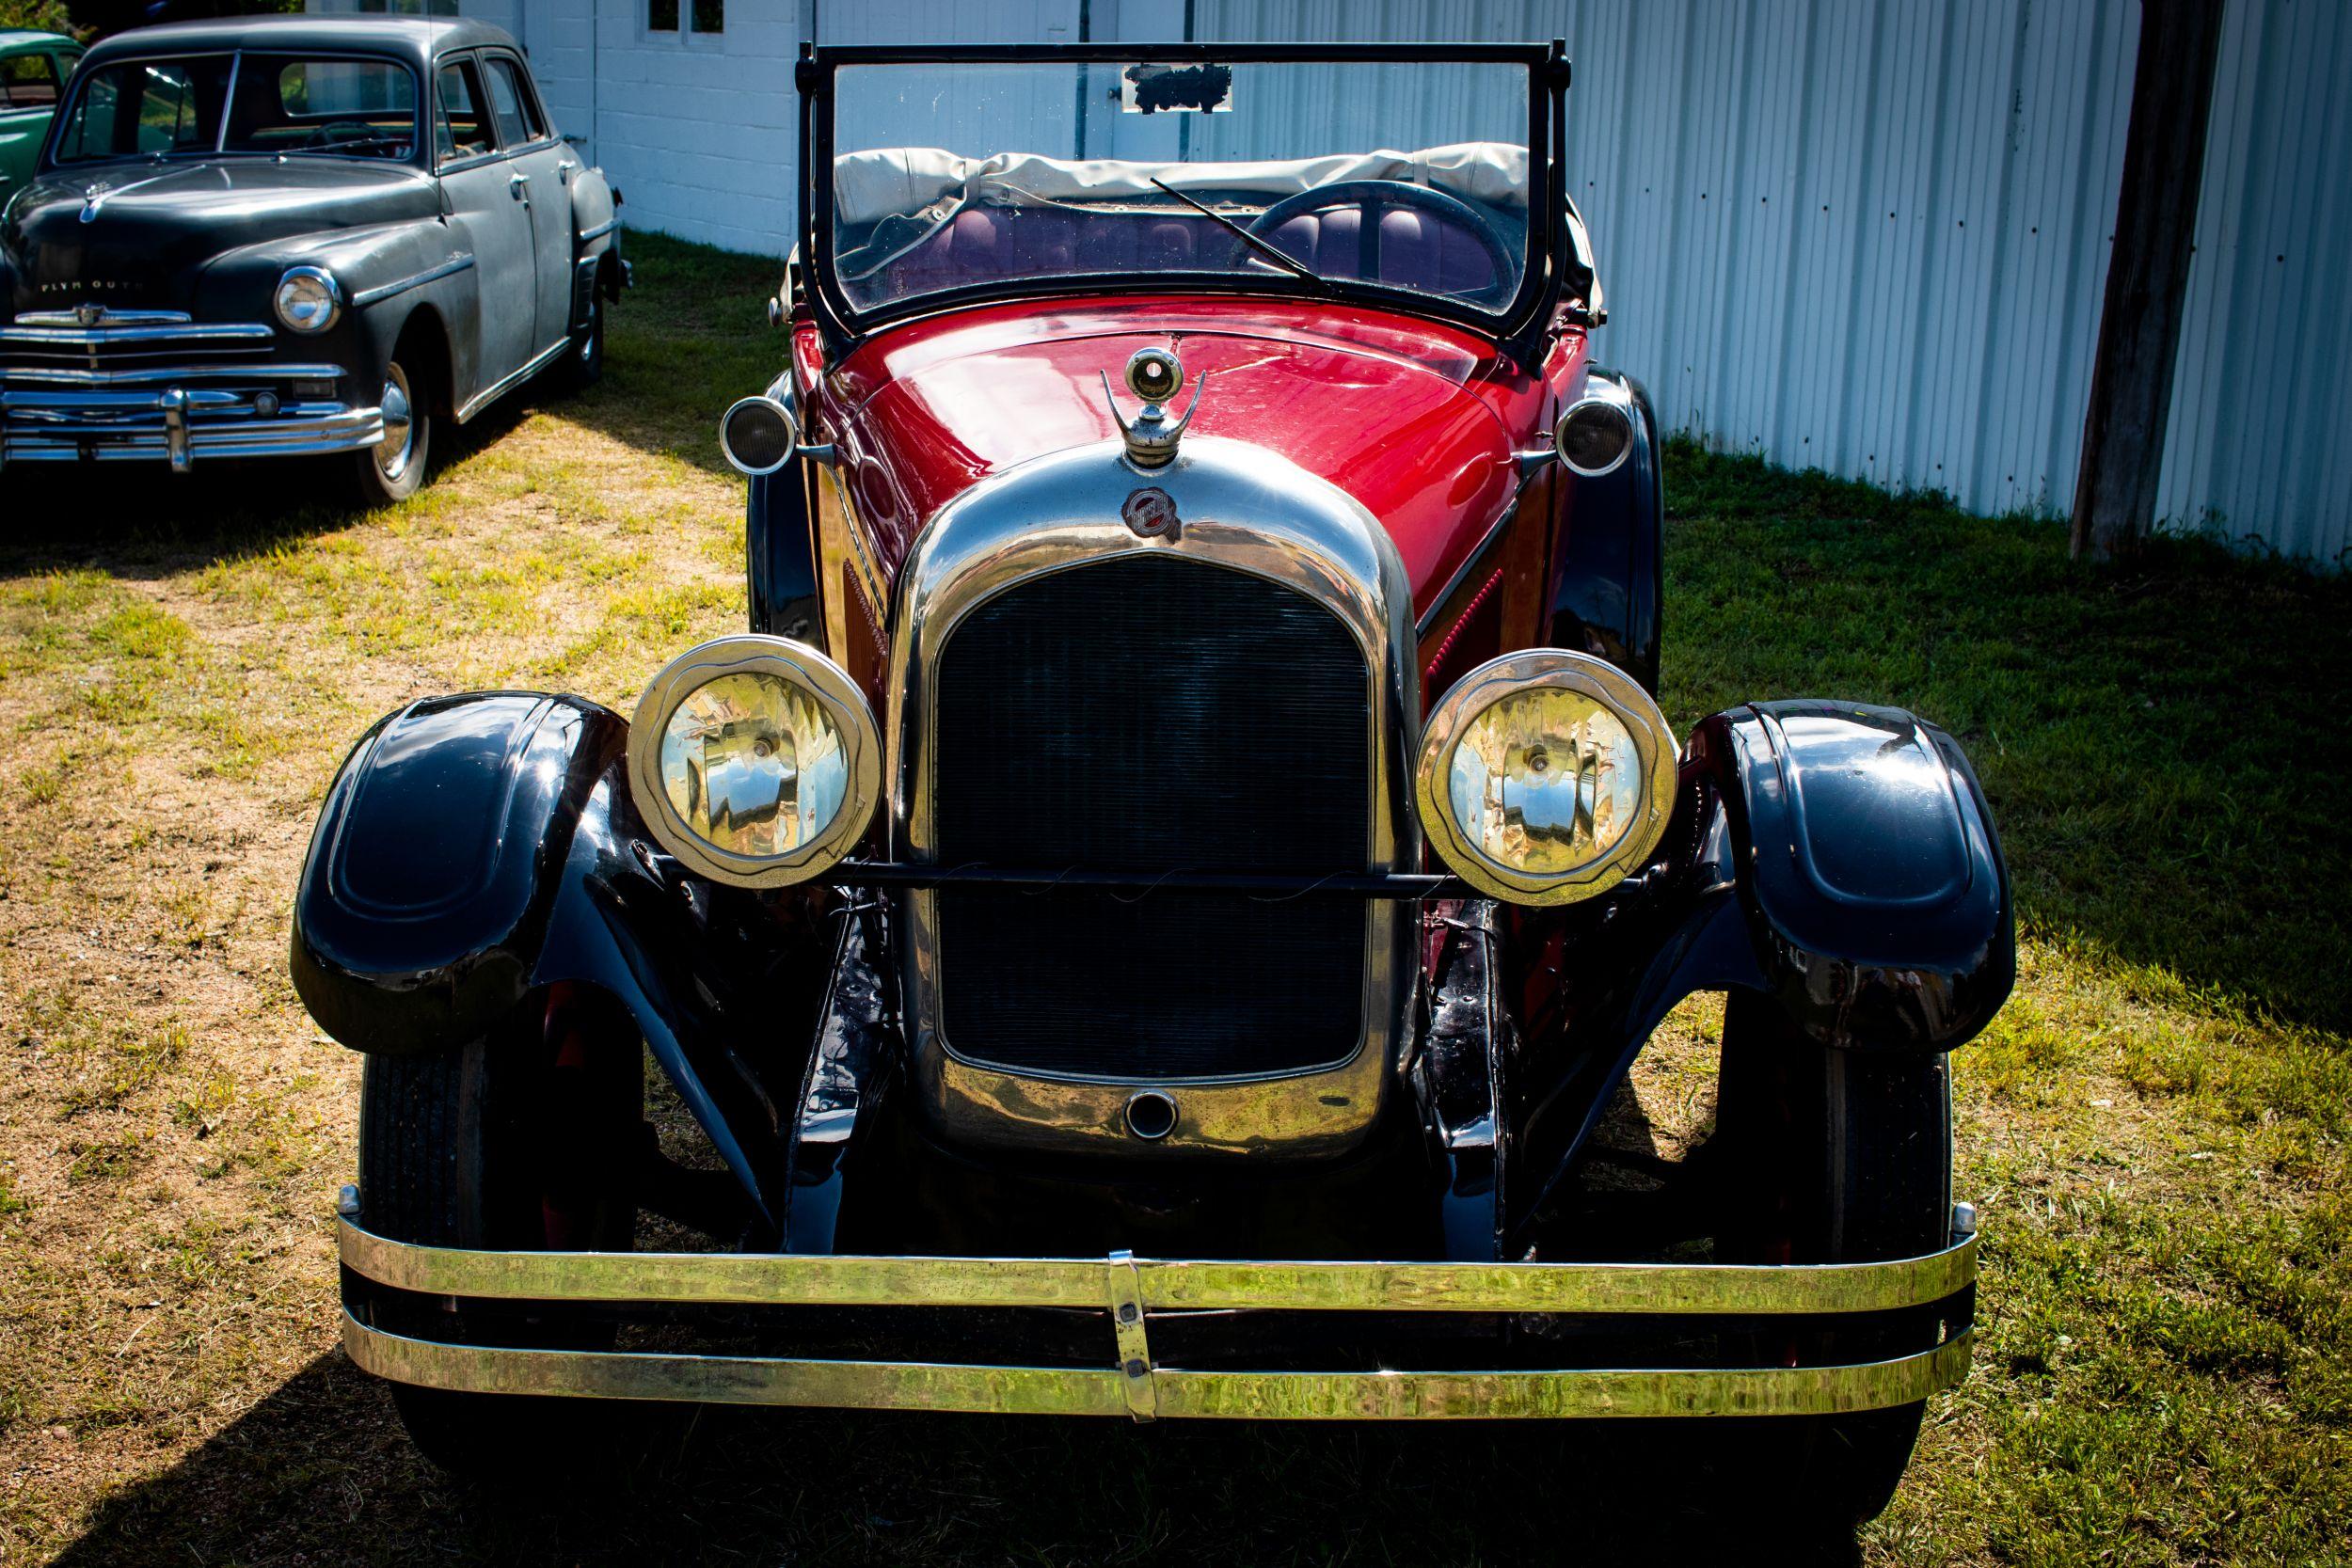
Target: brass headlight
[
  {"x": 1546, "y": 777},
  {"x": 756, "y": 761}
]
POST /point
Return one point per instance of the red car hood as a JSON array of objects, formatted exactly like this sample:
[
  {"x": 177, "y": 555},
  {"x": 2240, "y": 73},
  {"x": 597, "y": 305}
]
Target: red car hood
[{"x": 1384, "y": 407}]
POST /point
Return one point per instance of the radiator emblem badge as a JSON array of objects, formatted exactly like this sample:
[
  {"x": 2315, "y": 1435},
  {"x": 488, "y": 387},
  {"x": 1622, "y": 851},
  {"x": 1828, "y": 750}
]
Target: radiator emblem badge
[{"x": 1150, "y": 514}]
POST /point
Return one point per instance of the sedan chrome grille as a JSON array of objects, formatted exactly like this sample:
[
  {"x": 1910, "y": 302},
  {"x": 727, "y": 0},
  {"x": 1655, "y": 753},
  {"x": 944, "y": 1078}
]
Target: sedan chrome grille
[{"x": 93, "y": 339}]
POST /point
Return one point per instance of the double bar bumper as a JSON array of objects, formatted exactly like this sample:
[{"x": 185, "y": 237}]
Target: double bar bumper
[
  {"x": 1131, "y": 1291},
  {"x": 176, "y": 425}
]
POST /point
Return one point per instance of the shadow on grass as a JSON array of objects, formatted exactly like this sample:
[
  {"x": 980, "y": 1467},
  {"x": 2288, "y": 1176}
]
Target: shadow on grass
[
  {"x": 2160, "y": 739},
  {"x": 319, "y": 1472},
  {"x": 680, "y": 347}
]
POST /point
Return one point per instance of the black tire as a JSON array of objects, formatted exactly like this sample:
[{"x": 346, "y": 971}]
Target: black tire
[
  {"x": 582, "y": 365},
  {"x": 1836, "y": 1156},
  {"x": 394, "y": 469},
  {"x": 518, "y": 1142}
]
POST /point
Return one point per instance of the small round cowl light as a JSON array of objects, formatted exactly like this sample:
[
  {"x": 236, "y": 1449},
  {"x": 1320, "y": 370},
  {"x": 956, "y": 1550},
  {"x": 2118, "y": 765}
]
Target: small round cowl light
[
  {"x": 756, "y": 761},
  {"x": 308, "y": 300},
  {"x": 757, "y": 436},
  {"x": 1593, "y": 435},
  {"x": 1546, "y": 777}
]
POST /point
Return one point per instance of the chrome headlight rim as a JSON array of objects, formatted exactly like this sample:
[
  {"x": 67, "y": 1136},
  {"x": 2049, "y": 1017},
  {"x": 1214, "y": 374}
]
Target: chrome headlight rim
[
  {"x": 1611, "y": 403},
  {"x": 791, "y": 435},
  {"x": 334, "y": 300},
  {"x": 799, "y": 665},
  {"x": 1529, "y": 669}
]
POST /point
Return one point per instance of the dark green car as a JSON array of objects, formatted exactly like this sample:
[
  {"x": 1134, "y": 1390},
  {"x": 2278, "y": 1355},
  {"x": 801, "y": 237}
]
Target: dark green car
[{"x": 33, "y": 71}]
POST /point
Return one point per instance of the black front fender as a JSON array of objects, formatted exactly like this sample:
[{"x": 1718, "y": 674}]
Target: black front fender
[
  {"x": 476, "y": 849},
  {"x": 1868, "y": 867}
]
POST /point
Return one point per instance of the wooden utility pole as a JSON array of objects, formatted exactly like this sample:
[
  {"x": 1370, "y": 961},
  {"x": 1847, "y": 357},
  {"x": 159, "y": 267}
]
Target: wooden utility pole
[{"x": 2140, "y": 325}]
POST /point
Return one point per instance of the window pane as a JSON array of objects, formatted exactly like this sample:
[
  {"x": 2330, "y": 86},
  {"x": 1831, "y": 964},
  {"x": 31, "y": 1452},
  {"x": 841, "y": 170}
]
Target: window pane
[
  {"x": 462, "y": 131},
  {"x": 711, "y": 16},
  {"x": 146, "y": 106},
  {"x": 661, "y": 16},
  {"x": 28, "y": 81},
  {"x": 356, "y": 108},
  {"x": 506, "y": 101}
]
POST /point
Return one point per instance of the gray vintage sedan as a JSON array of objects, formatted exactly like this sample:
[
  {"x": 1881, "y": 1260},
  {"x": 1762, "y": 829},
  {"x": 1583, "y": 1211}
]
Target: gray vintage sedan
[{"x": 269, "y": 237}]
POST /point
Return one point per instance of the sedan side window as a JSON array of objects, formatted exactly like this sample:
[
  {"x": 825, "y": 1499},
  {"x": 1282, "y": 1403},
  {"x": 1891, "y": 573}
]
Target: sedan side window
[
  {"x": 28, "y": 81},
  {"x": 518, "y": 117},
  {"x": 460, "y": 127}
]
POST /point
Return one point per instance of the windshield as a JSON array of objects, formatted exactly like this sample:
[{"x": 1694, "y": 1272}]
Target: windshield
[
  {"x": 949, "y": 176},
  {"x": 283, "y": 103}
]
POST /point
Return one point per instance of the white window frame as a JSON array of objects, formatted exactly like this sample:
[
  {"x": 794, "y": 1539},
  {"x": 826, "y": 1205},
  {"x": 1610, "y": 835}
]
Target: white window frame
[{"x": 686, "y": 35}]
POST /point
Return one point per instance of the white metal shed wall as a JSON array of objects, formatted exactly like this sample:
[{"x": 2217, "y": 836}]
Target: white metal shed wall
[{"x": 1867, "y": 235}]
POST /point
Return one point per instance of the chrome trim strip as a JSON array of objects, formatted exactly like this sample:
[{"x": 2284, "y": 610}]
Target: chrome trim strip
[
  {"x": 52, "y": 375},
  {"x": 106, "y": 314},
  {"x": 1161, "y": 1285},
  {"x": 108, "y": 336},
  {"x": 1245, "y": 508},
  {"x": 96, "y": 406},
  {"x": 1171, "y": 1393},
  {"x": 491, "y": 394},
  {"x": 458, "y": 261},
  {"x": 601, "y": 231}
]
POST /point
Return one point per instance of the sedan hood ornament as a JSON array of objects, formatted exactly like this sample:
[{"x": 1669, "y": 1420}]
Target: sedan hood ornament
[{"x": 1156, "y": 376}]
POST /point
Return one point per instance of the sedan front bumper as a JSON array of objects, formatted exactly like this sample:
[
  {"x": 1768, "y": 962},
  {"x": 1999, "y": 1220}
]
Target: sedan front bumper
[
  {"x": 174, "y": 424},
  {"x": 1779, "y": 1306}
]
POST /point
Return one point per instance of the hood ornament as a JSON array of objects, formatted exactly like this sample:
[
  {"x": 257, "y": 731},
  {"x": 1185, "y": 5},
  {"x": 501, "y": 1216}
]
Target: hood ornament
[
  {"x": 1156, "y": 376},
  {"x": 91, "y": 195}
]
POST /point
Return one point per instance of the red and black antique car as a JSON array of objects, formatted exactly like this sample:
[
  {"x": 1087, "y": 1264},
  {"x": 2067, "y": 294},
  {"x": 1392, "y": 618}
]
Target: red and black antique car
[{"x": 1150, "y": 915}]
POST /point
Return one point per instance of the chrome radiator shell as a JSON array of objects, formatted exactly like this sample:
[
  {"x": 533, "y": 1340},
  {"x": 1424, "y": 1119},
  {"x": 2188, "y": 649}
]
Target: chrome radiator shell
[{"x": 1237, "y": 506}]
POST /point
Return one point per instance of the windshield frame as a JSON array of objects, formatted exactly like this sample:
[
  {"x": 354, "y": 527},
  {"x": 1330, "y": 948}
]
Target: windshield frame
[
  {"x": 845, "y": 324},
  {"x": 83, "y": 77}
]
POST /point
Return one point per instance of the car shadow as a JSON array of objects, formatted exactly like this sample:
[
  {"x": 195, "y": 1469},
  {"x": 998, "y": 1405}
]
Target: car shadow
[
  {"x": 320, "y": 1471},
  {"x": 140, "y": 522}
]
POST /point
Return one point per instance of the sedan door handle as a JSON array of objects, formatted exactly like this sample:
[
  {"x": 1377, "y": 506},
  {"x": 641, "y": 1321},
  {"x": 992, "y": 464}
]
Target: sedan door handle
[
  {"x": 564, "y": 169},
  {"x": 516, "y": 184}
]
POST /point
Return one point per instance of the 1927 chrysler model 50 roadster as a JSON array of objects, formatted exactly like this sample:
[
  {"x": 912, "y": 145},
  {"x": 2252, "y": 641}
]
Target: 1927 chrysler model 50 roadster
[
  {"x": 1151, "y": 914},
  {"x": 285, "y": 236}
]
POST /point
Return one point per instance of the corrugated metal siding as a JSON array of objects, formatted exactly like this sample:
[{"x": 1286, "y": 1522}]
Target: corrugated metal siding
[
  {"x": 1867, "y": 235},
  {"x": 1872, "y": 235},
  {"x": 2261, "y": 436}
]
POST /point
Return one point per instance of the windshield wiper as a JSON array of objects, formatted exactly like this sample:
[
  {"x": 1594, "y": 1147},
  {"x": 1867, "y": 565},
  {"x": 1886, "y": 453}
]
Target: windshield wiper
[{"x": 1286, "y": 262}]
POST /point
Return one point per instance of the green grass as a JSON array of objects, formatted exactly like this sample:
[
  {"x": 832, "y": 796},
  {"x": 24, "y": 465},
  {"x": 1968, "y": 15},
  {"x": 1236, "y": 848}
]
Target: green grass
[
  {"x": 2154, "y": 1127},
  {"x": 2157, "y": 740}
]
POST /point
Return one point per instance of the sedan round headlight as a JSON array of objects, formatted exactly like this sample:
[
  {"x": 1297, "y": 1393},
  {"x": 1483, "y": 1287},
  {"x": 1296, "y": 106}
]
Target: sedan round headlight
[
  {"x": 1546, "y": 777},
  {"x": 308, "y": 300},
  {"x": 756, "y": 761}
]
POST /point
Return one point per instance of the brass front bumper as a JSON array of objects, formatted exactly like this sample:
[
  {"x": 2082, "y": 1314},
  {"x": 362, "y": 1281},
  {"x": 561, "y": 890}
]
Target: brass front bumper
[{"x": 1130, "y": 1290}]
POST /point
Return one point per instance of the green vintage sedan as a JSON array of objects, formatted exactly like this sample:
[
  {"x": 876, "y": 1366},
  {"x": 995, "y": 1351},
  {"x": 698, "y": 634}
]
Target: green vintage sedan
[{"x": 33, "y": 70}]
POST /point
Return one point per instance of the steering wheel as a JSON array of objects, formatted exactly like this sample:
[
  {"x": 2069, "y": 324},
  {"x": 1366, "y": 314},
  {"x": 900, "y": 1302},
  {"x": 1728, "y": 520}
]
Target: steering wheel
[
  {"x": 1369, "y": 198},
  {"x": 336, "y": 131}
]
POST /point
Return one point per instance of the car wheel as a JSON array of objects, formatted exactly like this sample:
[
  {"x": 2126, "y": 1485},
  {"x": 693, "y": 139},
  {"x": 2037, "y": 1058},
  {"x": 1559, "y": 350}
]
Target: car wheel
[
  {"x": 582, "y": 365},
  {"x": 1834, "y": 1156},
  {"x": 517, "y": 1142},
  {"x": 392, "y": 469}
]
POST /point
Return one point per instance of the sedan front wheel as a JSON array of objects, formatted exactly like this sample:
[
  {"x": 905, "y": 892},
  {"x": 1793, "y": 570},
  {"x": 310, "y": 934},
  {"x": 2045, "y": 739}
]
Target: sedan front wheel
[{"x": 392, "y": 469}]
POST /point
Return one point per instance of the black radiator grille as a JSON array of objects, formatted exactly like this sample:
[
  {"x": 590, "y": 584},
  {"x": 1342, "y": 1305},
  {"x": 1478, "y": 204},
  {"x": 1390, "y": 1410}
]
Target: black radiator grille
[{"x": 1151, "y": 713}]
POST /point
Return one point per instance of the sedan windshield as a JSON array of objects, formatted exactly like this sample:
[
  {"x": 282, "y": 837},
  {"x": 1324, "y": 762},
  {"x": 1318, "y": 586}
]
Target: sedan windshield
[
  {"x": 202, "y": 105},
  {"x": 1411, "y": 175}
]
